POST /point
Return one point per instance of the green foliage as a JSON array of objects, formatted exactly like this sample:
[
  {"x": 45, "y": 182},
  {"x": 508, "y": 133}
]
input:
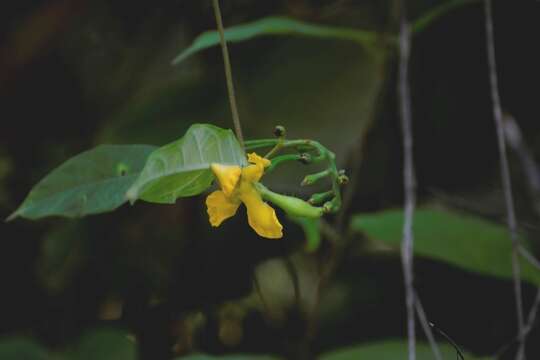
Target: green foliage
[
  {"x": 105, "y": 344},
  {"x": 16, "y": 348},
  {"x": 92, "y": 182},
  {"x": 62, "y": 253},
  {"x": 462, "y": 240},
  {"x": 433, "y": 14},
  {"x": 390, "y": 350},
  {"x": 276, "y": 26},
  {"x": 182, "y": 168}
]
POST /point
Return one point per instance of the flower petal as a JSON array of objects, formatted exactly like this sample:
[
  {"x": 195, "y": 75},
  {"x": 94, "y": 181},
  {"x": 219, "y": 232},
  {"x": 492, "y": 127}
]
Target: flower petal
[
  {"x": 227, "y": 175},
  {"x": 261, "y": 217},
  {"x": 258, "y": 160},
  {"x": 220, "y": 207},
  {"x": 252, "y": 173}
]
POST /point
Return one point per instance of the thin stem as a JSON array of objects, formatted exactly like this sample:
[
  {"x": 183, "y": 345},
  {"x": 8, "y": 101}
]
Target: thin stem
[
  {"x": 228, "y": 74},
  {"x": 427, "y": 329},
  {"x": 531, "y": 318},
  {"x": 278, "y": 160},
  {"x": 449, "y": 339},
  {"x": 529, "y": 257},
  {"x": 505, "y": 175},
  {"x": 275, "y": 149},
  {"x": 409, "y": 182}
]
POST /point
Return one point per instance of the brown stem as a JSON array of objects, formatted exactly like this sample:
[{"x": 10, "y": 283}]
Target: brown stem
[{"x": 228, "y": 73}]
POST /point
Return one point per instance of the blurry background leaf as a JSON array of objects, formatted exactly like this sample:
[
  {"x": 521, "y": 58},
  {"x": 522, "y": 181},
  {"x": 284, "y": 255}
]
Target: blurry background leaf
[
  {"x": 182, "y": 168},
  {"x": 92, "y": 182},
  {"x": 20, "y": 348},
  {"x": 431, "y": 15},
  {"x": 61, "y": 255},
  {"x": 105, "y": 344},
  {"x": 390, "y": 350},
  {"x": 277, "y": 26},
  {"x": 463, "y": 240}
]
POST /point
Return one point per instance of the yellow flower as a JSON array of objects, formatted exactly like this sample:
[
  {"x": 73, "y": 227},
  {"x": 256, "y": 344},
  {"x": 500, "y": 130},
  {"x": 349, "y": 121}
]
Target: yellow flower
[{"x": 237, "y": 186}]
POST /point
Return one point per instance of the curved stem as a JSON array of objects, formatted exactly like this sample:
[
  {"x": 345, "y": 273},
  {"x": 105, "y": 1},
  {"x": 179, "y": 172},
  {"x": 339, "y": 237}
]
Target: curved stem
[{"x": 282, "y": 159}]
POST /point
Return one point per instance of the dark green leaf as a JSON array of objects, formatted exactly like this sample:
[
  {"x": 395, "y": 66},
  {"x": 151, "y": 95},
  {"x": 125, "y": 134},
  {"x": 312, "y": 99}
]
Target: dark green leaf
[
  {"x": 62, "y": 254},
  {"x": 459, "y": 239},
  {"x": 436, "y": 12},
  {"x": 390, "y": 350},
  {"x": 182, "y": 168},
  {"x": 105, "y": 345},
  {"x": 276, "y": 26},
  {"x": 92, "y": 182},
  {"x": 21, "y": 348}
]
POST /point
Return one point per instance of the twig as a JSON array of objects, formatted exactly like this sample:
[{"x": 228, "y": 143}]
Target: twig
[
  {"x": 514, "y": 139},
  {"x": 409, "y": 182},
  {"x": 531, "y": 318},
  {"x": 529, "y": 257},
  {"x": 505, "y": 173},
  {"x": 449, "y": 339},
  {"x": 228, "y": 74},
  {"x": 427, "y": 328}
]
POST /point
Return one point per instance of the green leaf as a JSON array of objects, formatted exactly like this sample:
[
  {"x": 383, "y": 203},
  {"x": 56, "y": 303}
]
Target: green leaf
[
  {"x": 277, "y": 26},
  {"x": 182, "y": 168},
  {"x": 105, "y": 344},
  {"x": 436, "y": 12},
  {"x": 16, "y": 348},
  {"x": 62, "y": 255},
  {"x": 390, "y": 350},
  {"x": 92, "y": 182},
  {"x": 462, "y": 240}
]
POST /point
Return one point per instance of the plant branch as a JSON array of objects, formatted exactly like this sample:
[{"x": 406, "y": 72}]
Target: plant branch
[
  {"x": 409, "y": 181},
  {"x": 427, "y": 329},
  {"x": 228, "y": 73},
  {"x": 505, "y": 173}
]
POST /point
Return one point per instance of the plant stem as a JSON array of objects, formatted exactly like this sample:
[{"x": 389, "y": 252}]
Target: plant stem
[
  {"x": 505, "y": 175},
  {"x": 427, "y": 329},
  {"x": 228, "y": 74},
  {"x": 409, "y": 181}
]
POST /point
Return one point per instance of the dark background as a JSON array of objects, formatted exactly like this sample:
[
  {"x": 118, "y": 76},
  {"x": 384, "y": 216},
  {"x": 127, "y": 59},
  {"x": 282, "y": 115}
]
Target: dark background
[{"x": 76, "y": 73}]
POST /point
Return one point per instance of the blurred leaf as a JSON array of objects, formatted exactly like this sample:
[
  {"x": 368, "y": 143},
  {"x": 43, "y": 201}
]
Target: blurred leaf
[
  {"x": 436, "y": 12},
  {"x": 182, "y": 168},
  {"x": 105, "y": 345},
  {"x": 20, "y": 348},
  {"x": 311, "y": 230},
  {"x": 61, "y": 255},
  {"x": 390, "y": 350},
  {"x": 227, "y": 357},
  {"x": 462, "y": 240},
  {"x": 276, "y": 26},
  {"x": 92, "y": 182}
]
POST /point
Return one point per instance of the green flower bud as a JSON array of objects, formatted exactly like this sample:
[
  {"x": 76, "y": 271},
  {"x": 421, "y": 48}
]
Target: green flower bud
[{"x": 290, "y": 204}]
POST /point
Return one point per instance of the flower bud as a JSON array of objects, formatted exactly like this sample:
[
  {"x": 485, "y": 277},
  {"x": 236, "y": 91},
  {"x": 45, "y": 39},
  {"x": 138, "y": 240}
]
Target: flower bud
[
  {"x": 290, "y": 204},
  {"x": 279, "y": 131}
]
